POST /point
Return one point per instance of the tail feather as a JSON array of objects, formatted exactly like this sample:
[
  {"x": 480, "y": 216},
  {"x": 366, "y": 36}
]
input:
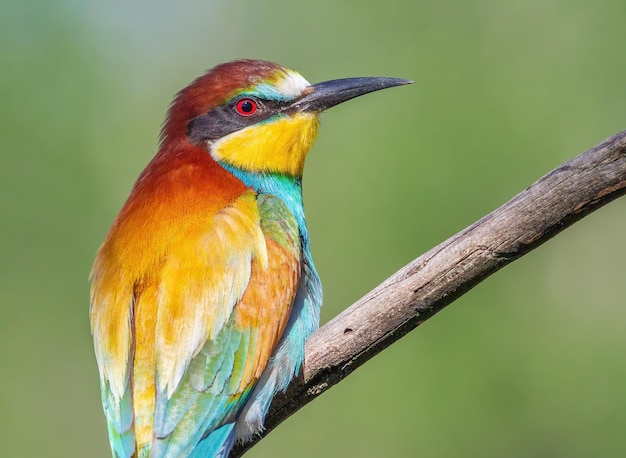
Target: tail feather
[
  {"x": 217, "y": 444},
  {"x": 122, "y": 445}
]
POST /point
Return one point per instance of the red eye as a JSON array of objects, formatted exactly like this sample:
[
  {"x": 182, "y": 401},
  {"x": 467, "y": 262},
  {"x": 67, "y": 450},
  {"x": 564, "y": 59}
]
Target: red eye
[{"x": 246, "y": 107}]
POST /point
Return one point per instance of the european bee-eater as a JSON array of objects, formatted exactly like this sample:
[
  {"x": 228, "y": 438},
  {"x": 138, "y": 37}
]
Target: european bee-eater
[{"x": 204, "y": 291}]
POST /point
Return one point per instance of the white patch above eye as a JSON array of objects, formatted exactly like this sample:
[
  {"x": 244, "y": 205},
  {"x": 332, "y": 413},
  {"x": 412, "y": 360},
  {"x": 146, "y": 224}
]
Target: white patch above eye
[
  {"x": 284, "y": 86},
  {"x": 292, "y": 84}
]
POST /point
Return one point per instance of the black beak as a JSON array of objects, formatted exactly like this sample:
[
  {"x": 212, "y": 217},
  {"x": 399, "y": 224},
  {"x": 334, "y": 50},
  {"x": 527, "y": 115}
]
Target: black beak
[{"x": 323, "y": 96}]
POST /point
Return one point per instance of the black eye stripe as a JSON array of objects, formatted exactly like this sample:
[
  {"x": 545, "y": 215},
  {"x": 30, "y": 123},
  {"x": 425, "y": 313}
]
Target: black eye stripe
[
  {"x": 226, "y": 119},
  {"x": 275, "y": 106}
]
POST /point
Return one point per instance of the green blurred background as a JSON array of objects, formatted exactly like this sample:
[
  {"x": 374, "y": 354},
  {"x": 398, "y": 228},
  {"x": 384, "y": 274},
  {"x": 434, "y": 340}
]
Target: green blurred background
[{"x": 529, "y": 363}]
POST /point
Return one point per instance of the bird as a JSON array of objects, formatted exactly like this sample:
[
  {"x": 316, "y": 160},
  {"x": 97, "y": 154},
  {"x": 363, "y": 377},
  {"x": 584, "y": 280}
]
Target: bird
[{"x": 204, "y": 290}]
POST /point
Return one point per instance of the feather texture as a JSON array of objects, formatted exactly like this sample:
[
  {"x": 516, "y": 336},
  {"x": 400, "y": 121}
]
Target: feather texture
[
  {"x": 207, "y": 308},
  {"x": 204, "y": 291},
  {"x": 191, "y": 293}
]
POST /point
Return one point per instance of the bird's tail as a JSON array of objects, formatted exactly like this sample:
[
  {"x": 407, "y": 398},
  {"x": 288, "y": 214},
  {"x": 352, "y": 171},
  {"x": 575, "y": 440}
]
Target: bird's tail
[{"x": 217, "y": 444}]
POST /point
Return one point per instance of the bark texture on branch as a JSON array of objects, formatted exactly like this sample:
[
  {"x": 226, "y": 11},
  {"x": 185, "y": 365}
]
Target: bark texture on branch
[{"x": 429, "y": 283}]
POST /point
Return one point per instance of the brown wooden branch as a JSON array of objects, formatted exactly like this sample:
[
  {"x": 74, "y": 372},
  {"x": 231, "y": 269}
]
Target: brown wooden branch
[{"x": 446, "y": 272}]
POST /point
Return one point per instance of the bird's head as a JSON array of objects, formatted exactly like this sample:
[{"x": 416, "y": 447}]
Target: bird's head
[{"x": 257, "y": 116}]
